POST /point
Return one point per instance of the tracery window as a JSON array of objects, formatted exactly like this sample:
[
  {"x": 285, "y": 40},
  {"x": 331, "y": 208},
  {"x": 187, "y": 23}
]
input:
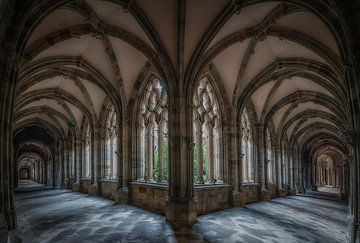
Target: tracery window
[
  {"x": 153, "y": 147},
  {"x": 207, "y": 131},
  {"x": 111, "y": 141},
  {"x": 270, "y": 163},
  {"x": 87, "y": 152},
  {"x": 247, "y": 148}
]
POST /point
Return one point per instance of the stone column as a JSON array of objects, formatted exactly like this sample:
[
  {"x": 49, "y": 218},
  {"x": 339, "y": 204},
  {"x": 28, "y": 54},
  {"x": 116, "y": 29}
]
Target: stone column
[
  {"x": 96, "y": 162},
  {"x": 149, "y": 153},
  {"x": 292, "y": 173},
  {"x": 160, "y": 151},
  {"x": 199, "y": 141},
  {"x": 261, "y": 163},
  {"x": 66, "y": 162},
  {"x": 181, "y": 206},
  {"x": 236, "y": 158},
  {"x": 277, "y": 162},
  {"x": 210, "y": 148},
  {"x": 111, "y": 157},
  {"x": 78, "y": 164}
]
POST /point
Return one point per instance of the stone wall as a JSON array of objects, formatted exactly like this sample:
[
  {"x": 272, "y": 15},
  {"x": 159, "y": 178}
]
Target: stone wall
[
  {"x": 85, "y": 185},
  {"x": 212, "y": 198},
  {"x": 149, "y": 196},
  {"x": 109, "y": 189},
  {"x": 273, "y": 190},
  {"x": 251, "y": 192}
]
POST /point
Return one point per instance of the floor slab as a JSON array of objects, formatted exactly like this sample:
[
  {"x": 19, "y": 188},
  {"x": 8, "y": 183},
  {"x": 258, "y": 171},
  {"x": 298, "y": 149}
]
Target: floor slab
[{"x": 66, "y": 216}]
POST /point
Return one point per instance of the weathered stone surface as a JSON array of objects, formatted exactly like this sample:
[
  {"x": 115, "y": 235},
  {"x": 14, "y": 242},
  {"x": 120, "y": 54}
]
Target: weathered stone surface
[
  {"x": 272, "y": 188},
  {"x": 250, "y": 192},
  {"x": 149, "y": 196},
  {"x": 85, "y": 185},
  {"x": 212, "y": 198},
  {"x": 109, "y": 189}
]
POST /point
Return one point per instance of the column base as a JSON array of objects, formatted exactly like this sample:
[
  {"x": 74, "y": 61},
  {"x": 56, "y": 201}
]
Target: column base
[
  {"x": 354, "y": 230},
  {"x": 282, "y": 192},
  {"x": 292, "y": 192},
  {"x": 265, "y": 194},
  {"x": 122, "y": 196},
  {"x": 238, "y": 200},
  {"x": 314, "y": 187},
  {"x": 301, "y": 189},
  {"x": 76, "y": 187},
  {"x": 181, "y": 213},
  {"x": 94, "y": 190}
]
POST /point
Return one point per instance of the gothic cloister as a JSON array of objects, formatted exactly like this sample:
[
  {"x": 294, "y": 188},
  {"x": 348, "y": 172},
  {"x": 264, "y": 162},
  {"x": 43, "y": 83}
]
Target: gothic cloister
[{"x": 179, "y": 120}]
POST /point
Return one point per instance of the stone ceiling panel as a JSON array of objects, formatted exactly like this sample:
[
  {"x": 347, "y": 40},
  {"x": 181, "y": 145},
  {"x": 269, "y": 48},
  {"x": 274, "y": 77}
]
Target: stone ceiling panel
[
  {"x": 259, "y": 97},
  {"x": 248, "y": 17},
  {"x": 52, "y": 24},
  {"x": 130, "y": 61},
  {"x": 163, "y": 17},
  {"x": 228, "y": 64},
  {"x": 309, "y": 24},
  {"x": 198, "y": 24},
  {"x": 114, "y": 14}
]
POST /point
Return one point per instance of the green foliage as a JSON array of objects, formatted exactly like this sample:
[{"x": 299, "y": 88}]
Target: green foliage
[
  {"x": 165, "y": 159},
  {"x": 195, "y": 164}
]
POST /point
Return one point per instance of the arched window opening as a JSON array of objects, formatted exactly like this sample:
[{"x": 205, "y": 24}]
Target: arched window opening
[
  {"x": 111, "y": 143},
  {"x": 270, "y": 162},
  {"x": 247, "y": 148},
  {"x": 152, "y": 132},
  {"x": 207, "y": 133},
  {"x": 87, "y": 152}
]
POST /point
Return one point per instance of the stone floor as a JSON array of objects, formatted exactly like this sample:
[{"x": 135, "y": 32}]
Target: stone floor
[
  {"x": 29, "y": 185},
  {"x": 66, "y": 216}
]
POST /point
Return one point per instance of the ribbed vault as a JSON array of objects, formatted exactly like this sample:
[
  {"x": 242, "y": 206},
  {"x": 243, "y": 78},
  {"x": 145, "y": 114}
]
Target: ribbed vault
[{"x": 82, "y": 68}]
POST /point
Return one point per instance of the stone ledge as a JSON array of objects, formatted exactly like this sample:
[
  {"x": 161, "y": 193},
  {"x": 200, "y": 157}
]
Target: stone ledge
[
  {"x": 209, "y": 186},
  {"x": 150, "y": 184}
]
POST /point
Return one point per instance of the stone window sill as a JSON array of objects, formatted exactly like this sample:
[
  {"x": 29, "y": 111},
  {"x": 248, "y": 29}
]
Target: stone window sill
[
  {"x": 250, "y": 184},
  {"x": 162, "y": 185},
  {"x": 209, "y": 186},
  {"x": 109, "y": 180}
]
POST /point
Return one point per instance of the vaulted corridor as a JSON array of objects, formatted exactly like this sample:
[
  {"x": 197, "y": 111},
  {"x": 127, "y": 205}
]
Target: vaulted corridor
[
  {"x": 63, "y": 215},
  {"x": 223, "y": 120}
]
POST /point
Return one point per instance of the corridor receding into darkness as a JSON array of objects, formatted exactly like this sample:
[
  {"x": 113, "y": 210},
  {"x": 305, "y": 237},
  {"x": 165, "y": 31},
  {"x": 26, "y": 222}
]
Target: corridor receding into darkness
[
  {"x": 180, "y": 121},
  {"x": 66, "y": 216}
]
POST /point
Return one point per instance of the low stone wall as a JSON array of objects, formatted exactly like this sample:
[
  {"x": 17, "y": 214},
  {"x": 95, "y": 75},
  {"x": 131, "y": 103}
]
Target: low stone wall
[
  {"x": 212, "y": 198},
  {"x": 85, "y": 185},
  {"x": 153, "y": 197},
  {"x": 251, "y": 192},
  {"x": 149, "y": 196},
  {"x": 273, "y": 190},
  {"x": 109, "y": 189}
]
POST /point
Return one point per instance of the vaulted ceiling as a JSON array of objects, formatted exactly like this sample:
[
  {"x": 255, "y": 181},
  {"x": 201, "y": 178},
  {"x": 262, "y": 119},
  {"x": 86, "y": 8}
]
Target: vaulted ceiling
[{"x": 280, "y": 57}]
